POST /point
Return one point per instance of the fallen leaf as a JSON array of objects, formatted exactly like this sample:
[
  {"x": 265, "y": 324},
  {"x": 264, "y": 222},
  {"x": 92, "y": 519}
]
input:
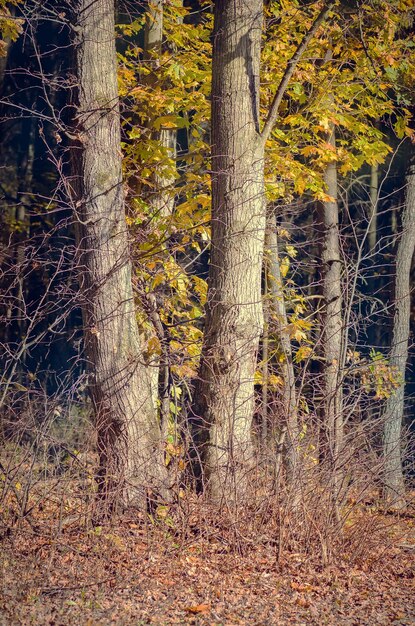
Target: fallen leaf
[
  {"x": 306, "y": 587},
  {"x": 198, "y": 608}
]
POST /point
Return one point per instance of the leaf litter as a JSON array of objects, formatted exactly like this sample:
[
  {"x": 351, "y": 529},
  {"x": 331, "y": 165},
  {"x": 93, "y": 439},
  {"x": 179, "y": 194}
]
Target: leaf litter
[{"x": 140, "y": 573}]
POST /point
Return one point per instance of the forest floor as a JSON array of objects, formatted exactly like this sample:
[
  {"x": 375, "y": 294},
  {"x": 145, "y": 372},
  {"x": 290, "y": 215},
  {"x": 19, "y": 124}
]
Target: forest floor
[{"x": 55, "y": 570}]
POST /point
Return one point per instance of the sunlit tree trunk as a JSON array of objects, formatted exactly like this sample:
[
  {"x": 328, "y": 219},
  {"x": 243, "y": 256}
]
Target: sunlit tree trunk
[
  {"x": 394, "y": 487},
  {"x": 280, "y": 322},
  {"x": 224, "y": 396},
  {"x": 161, "y": 197},
  {"x": 332, "y": 324},
  {"x": 119, "y": 381}
]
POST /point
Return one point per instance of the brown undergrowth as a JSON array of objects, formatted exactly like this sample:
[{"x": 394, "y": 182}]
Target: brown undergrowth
[{"x": 187, "y": 564}]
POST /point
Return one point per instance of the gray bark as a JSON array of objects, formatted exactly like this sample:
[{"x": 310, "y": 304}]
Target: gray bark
[
  {"x": 289, "y": 394},
  {"x": 394, "y": 486},
  {"x": 161, "y": 198},
  {"x": 265, "y": 369},
  {"x": 119, "y": 380},
  {"x": 224, "y": 395},
  {"x": 373, "y": 215},
  {"x": 332, "y": 324}
]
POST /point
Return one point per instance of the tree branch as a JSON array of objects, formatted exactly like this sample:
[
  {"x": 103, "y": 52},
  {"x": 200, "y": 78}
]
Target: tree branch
[{"x": 291, "y": 65}]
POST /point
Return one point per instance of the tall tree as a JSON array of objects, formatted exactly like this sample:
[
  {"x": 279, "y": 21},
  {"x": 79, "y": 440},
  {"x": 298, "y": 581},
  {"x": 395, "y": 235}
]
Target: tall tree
[
  {"x": 224, "y": 395},
  {"x": 394, "y": 486},
  {"x": 119, "y": 380},
  {"x": 161, "y": 196},
  {"x": 290, "y": 431},
  {"x": 373, "y": 211},
  {"x": 234, "y": 321},
  {"x": 332, "y": 323}
]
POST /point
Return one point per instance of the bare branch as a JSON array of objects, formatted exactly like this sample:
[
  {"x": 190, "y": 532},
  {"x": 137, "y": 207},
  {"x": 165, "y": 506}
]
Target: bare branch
[{"x": 291, "y": 65}]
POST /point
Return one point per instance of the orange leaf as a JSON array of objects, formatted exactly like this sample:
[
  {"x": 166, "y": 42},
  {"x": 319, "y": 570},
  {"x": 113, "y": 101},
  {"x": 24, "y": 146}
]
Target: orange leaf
[{"x": 198, "y": 608}]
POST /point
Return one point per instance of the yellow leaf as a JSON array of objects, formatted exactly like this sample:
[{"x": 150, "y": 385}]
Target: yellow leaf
[
  {"x": 153, "y": 346},
  {"x": 291, "y": 251},
  {"x": 284, "y": 266},
  {"x": 297, "y": 334},
  {"x": 275, "y": 381},
  {"x": 157, "y": 280},
  {"x": 162, "y": 511},
  {"x": 283, "y": 233},
  {"x": 308, "y": 151},
  {"x": 300, "y": 185},
  {"x": 303, "y": 353},
  {"x": 258, "y": 379}
]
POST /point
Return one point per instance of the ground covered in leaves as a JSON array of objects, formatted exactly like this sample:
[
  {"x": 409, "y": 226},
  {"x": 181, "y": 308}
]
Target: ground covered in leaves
[{"x": 61, "y": 572}]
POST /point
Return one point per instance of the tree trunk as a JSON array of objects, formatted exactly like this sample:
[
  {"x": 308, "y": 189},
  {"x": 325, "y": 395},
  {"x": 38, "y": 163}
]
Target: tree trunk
[
  {"x": 394, "y": 487},
  {"x": 5, "y": 45},
  {"x": 373, "y": 213},
  {"x": 23, "y": 220},
  {"x": 289, "y": 394},
  {"x": 332, "y": 325},
  {"x": 161, "y": 199},
  {"x": 224, "y": 395},
  {"x": 265, "y": 370},
  {"x": 119, "y": 380}
]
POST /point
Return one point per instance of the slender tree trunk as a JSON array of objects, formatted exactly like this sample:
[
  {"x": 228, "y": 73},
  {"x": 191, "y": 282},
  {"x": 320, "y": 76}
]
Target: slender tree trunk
[
  {"x": 224, "y": 395},
  {"x": 394, "y": 487},
  {"x": 373, "y": 210},
  {"x": 6, "y": 44},
  {"x": 24, "y": 199},
  {"x": 161, "y": 202},
  {"x": 119, "y": 381},
  {"x": 332, "y": 324},
  {"x": 373, "y": 216},
  {"x": 265, "y": 369},
  {"x": 162, "y": 197},
  {"x": 3, "y": 64},
  {"x": 289, "y": 394},
  {"x": 16, "y": 310}
]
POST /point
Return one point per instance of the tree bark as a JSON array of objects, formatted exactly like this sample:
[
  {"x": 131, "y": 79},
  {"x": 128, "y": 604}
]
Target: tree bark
[
  {"x": 373, "y": 213},
  {"x": 394, "y": 486},
  {"x": 224, "y": 395},
  {"x": 289, "y": 394},
  {"x": 332, "y": 324},
  {"x": 161, "y": 199},
  {"x": 119, "y": 380}
]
